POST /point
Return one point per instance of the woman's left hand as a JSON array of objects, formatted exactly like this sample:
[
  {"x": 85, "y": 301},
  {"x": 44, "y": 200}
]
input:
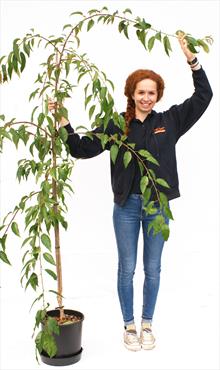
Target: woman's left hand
[{"x": 183, "y": 43}]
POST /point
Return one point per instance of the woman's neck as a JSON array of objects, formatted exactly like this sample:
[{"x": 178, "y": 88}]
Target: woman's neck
[{"x": 141, "y": 116}]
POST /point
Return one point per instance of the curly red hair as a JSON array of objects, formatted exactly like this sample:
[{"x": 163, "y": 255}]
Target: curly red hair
[{"x": 130, "y": 87}]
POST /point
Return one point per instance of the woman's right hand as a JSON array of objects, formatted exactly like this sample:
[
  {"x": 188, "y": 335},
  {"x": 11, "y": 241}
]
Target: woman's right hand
[
  {"x": 183, "y": 44},
  {"x": 52, "y": 105}
]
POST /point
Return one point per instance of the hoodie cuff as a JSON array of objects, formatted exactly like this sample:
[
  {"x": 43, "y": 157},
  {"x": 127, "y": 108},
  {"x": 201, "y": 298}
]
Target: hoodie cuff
[{"x": 69, "y": 128}]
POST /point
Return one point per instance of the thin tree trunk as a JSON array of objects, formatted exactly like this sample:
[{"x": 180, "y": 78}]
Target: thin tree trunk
[{"x": 57, "y": 241}]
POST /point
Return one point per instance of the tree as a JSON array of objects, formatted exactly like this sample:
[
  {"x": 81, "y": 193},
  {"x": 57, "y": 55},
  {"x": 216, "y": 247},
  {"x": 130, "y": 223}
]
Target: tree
[{"x": 44, "y": 210}]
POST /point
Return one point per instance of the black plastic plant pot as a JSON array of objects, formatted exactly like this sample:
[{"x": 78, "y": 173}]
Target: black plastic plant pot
[{"x": 68, "y": 342}]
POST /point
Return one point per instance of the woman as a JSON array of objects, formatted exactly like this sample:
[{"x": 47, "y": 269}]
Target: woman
[{"x": 158, "y": 133}]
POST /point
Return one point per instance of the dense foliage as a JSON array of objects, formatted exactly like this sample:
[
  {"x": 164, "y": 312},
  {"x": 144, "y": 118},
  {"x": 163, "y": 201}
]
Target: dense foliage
[{"x": 48, "y": 161}]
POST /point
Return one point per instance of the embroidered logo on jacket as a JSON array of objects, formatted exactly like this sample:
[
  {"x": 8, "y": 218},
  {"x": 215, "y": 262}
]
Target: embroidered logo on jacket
[{"x": 159, "y": 130}]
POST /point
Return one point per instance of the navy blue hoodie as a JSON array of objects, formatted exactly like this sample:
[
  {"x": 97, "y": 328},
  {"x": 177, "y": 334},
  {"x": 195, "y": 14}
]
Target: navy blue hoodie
[{"x": 162, "y": 131}]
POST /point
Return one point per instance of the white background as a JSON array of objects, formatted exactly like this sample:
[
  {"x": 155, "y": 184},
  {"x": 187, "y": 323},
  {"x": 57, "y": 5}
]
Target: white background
[{"x": 186, "y": 320}]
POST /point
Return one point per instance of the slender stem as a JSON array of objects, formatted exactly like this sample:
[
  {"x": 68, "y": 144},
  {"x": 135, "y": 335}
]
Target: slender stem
[
  {"x": 57, "y": 235},
  {"x": 55, "y": 208},
  {"x": 119, "y": 17},
  {"x": 104, "y": 15},
  {"x": 13, "y": 217},
  {"x": 17, "y": 210},
  {"x": 145, "y": 167},
  {"x": 41, "y": 37},
  {"x": 41, "y": 271},
  {"x": 9, "y": 124},
  {"x": 139, "y": 159}
]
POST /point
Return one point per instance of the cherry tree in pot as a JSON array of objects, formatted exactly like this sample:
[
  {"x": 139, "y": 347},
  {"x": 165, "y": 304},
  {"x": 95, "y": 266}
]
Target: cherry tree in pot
[{"x": 44, "y": 209}]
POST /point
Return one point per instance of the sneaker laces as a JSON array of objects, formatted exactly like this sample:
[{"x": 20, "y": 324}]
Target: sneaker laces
[
  {"x": 132, "y": 336},
  {"x": 147, "y": 334}
]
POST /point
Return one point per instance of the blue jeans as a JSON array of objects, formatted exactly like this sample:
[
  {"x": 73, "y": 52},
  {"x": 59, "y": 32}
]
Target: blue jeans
[{"x": 127, "y": 220}]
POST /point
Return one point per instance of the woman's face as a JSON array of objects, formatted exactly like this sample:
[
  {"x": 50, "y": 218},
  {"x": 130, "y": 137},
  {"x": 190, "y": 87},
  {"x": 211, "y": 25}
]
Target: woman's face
[{"x": 145, "y": 96}]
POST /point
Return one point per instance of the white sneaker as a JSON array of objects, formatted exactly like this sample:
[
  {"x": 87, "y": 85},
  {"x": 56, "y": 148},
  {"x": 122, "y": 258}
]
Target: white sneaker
[
  {"x": 131, "y": 340},
  {"x": 147, "y": 338}
]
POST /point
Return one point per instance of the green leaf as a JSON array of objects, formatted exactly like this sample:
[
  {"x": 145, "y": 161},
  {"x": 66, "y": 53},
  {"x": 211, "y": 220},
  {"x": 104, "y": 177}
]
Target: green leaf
[
  {"x": 26, "y": 48},
  {"x": 57, "y": 73},
  {"x": 191, "y": 40},
  {"x": 156, "y": 224},
  {"x": 49, "y": 258},
  {"x": 141, "y": 36},
  {"x": 104, "y": 139},
  {"x": 1, "y": 59},
  {"x": 67, "y": 68},
  {"x": 192, "y": 48},
  {"x": 67, "y": 25},
  {"x": 41, "y": 118},
  {"x": 24, "y": 135},
  {"x": 15, "y": 64},
  {"x": 150, "y": 209},
  {"x": 103, "y": 92},
  {"x": 23, "y": 61},
  {"x": 165, "y": 232},
  {"x": 40, "y": 317},
  {"x": 3, "y": 239},
  {"x": 46, "y": 241},
  {"x": 53, "y": 326},
  {"x": 127, "y": 158},
  {"x": 141, "y": 24},
  {"x": 74, "y": 13},
  {"x": 144, "y": 153},
  {"x": 203, "y": 44},
  {"x": 151, "y": 43},
  {"x": 51, "y": 273},
  {"x": 49, "y": 344},
  {"x": 54, "y": 292},
  {"x": 32, "y": 95},
  {"x": 152, "y": 174},
  {"x": 141, "y": 168},
  {"x": 5, "y": 76},
  {"x": 37, "y": 299},
  {"x": 33, "y": 280},
  {"x": 127, "y": 10},
  {"x": 14, "y": 227},
  {"x": 111, "y": 83},
  {"x": 32, "y": 114},
  {"x": 2, "y": 117},
  {"x": 125, "y": 30},
  {"x": 121, "y": 122},
  {"x": 38, "y": 341},
  {"x": 91, "y": 111},
  {"x": 81, "y": 127},
  {"x": 147, "y": 195},
  {"x": 143, "y": 183},
  {"x": 6, "y": 134},
  {"x": 121, "y": 26},
  {"x": 87, "y": 100},
  {"x": 153, "y": 160},
  {"x": 16, "y": 49},
  {"x": 63, "y": 134},
  {"x": 114, "y": 152},
  {"x": 163, "y": 199},
  {"x": 90, "y": 24},
  {"x": 15, "y": 136},
  {"x": 93, "y": 11},
  {"x": 163, "y": 183},
  {"x": 4, "y": 257},
  {"x": 158, "y": 36},
  {"x": 167, "y": 46},
  {"x": 168, "y": 213}
]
